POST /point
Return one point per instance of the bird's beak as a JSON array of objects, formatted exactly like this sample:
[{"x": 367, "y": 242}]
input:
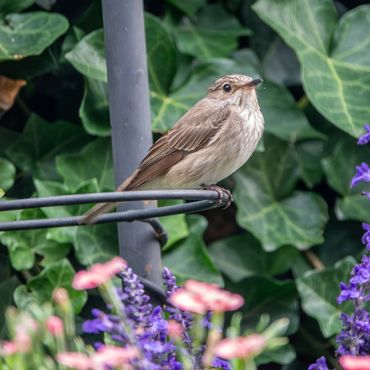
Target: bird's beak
[{"x": 254, "y": 82}]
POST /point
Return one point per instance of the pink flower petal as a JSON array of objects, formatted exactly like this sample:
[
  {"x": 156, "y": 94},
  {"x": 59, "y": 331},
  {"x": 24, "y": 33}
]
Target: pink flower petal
[
  {"x": 75, "y": 360},
  {"x": 200, "y": 287},
  {"x": 114, "y": 356},
  {"x": 188, "y": 301},
  {"x": 355, "y": 363},
  {"x": 8, "y": 348},
  {"x": 54, "y": 325},
  {"x": 240, "y": 347},
  {"x": 115, "y": 265},
  {"x": 98, "y": 274},
  {"x": 174, "y": 329},
  {"x": 88, "y": 279},
  {"x": 222, "y": 300},
  {"x": 60, "y": 296}
]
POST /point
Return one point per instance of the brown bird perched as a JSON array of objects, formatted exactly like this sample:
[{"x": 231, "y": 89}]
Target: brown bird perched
[{"x": 207, "y": 144}]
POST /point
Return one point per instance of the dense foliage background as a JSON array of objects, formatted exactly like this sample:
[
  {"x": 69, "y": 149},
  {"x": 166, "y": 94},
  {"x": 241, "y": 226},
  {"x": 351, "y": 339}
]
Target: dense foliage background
[{"x": 293, "y": 233}]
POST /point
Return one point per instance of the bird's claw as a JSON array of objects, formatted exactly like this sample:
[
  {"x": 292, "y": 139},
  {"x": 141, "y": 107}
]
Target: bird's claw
[{"x": 225, "y": 197}]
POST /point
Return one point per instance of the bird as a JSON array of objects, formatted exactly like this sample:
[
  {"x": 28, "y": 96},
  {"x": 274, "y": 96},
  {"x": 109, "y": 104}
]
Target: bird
[{"x": 208, "y": 143}]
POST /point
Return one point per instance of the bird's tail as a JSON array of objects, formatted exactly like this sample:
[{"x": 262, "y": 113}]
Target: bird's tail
[
  {"x": 91, "y": 215},
  {"x": 97, "y": 210}
]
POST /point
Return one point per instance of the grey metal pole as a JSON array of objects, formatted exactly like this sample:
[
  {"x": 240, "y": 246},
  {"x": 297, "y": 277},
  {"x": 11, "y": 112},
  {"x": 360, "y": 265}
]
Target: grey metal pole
[{"x": 129, "y": 110}]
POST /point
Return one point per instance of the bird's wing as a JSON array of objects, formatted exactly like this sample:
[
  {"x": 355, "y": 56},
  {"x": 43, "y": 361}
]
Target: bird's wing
[{"x": 185, "y": 137}]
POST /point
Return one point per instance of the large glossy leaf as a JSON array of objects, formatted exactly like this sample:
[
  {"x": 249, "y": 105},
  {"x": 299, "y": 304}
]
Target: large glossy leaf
[
  {"x": 282, "y": 115},
  {"x": 94, "y": 109},
  {"x": 269, "y": 209},
  {"x": 339, "y": 169},
  {"x": 88, "y": 56},
  {"x": 263, "y": 295},
  {"x": 11, "y": 6},
  {"x": 189, "y": 259},
  {"x": 318, "y": 291},
  {"x": 175, "y": 226},
  {"x": 96, "y": 243},
  {"x": 189, "y": 7},
  {"x": 40, "y": 142},
  {"x": 336, "y": 72},
  {"x": 59, "y": 275},
  {"x": 52, "y": 188},
  {"x": 308, "y": 156},
  {"x": 24, "y": 246},
  {"x": 242, "y": 256},
  {"x": 7, "y": 138},
  {"x": 93, "y": 162},
  {"x": 7, "y": 173},
  {"x": 7, "y": 288},
  {"x": 22, "y": 35},
  {"x": 214, "y": 34},
  {"x": 161, "y": 54}
]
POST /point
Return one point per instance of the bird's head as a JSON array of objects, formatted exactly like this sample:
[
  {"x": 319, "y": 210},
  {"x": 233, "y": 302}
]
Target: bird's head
[{"x": 235, "y": 89}]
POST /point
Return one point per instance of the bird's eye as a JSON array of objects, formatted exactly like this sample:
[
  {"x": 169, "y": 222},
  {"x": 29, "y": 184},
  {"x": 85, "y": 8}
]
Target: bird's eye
[{"x": 227, "y": 87}]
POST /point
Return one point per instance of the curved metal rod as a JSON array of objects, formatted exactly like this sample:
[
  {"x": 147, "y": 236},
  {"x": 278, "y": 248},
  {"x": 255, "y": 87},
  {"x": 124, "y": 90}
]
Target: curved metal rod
[
  {"x": 127, "y": 216},
  {"x": 64, "y": 200}
]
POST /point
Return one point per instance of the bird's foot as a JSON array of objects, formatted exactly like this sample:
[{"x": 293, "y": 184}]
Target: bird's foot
[{"x": 225, "y": 197}]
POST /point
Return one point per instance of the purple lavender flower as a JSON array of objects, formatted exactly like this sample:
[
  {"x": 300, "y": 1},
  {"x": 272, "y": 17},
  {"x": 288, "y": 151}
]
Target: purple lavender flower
[
  {"x": 365, "y": 138},
  {"x": 362, "y": 174},
  {"x": 320, "y": 364},
  {"x": 138, "y": 308},
  {"x": 366, "y": 236},
  {"x": 184, "y": 318},
  {"x": 219, "y": 363},
  {"x": 366, "y": 194},
  {"x": 354, "y": 338}
]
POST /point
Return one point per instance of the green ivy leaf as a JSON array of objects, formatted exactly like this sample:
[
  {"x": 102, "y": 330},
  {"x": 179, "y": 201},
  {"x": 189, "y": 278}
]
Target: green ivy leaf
[
  {"x": 161, "y": 54},
  {"x": 336, "y": 73},
  {"x": 12, "y": 6},
  {"x": 7, "y": 288},
  {"x": 283, "y": 117},
  {"x": 88, "y": 56},
  {"x": 213, "y": 34},
  {"x": 96, "y": 243},
  {"x": 50, "y": 188},
  {"x": 40, "y": 142},
  {"x": 22, "y": 35},
  {"x": 175, "y": 226},
  {"x": 339, "y": 168},
  {"x": 7, "y": 174},
  {"x": 263, "y": 295},
  {"x": 94, "y": 109},
  {"x": 93, "y": 162},
  {"x": 241, "y": 256},
  {"x": 58, "y": 275},
  {"x": 268, "y": 208},
  {"x": 7, "y": 138},
  {"x": 342, "y": 238},
  {"x": 189, "y": 7},
  {"x": 319, "y": 290},
  {"x": 308, "y": 156},
  {"x": 189, "y": 259},
  {"x": 23, "y": 247},
  {"x": 93, "y": 243}
]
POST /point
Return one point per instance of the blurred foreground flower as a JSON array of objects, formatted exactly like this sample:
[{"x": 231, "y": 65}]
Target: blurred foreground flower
[
  {"x": 355, "y": 363},
  {"x": 135, "y": 335}
]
